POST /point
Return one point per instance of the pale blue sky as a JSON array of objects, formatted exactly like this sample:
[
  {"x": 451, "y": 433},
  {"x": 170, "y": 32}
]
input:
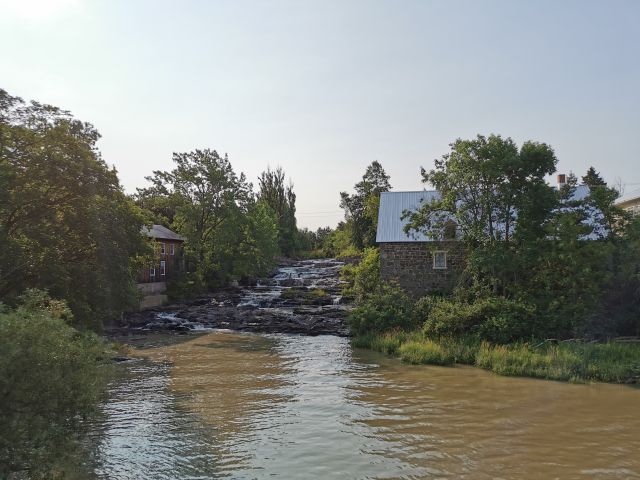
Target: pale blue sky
[{"x": 323, "y": 88}]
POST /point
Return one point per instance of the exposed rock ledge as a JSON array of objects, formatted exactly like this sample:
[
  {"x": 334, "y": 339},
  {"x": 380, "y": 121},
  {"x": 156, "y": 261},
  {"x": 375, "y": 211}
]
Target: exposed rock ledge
[{"x": 302, "y": 297}]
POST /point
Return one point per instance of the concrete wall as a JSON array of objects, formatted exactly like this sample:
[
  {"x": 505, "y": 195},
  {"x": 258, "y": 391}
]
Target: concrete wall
[
  {"x": 153, "y": 294},
  {"x": 411, "y": 265}
]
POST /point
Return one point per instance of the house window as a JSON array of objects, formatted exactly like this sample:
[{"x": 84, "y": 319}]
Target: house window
[
  {"x": 439, "y": 260},
  {"x": 162, "y": 248},
  {"x": 162, "y": 268},
  {"x": 172, "y": 249},
  {"x": 152, "y": 272}
]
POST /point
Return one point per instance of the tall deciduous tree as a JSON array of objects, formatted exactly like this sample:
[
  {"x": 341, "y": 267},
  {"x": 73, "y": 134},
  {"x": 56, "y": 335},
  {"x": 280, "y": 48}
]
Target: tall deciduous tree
[
  {"x": 215, "y": 209},
  {"x": 65, "y": 224},
  {"x": 281, "y": 199},
  {"x": 361, "y": 207},
  {"x": 482, "y": 183}
]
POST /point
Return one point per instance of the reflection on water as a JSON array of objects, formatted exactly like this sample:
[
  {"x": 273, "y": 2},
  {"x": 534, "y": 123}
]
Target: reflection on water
[{"x": 224, "y": 405}]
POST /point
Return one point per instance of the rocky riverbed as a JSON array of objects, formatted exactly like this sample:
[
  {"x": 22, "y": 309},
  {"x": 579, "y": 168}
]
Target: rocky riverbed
[{"x": 302, "y": 297}]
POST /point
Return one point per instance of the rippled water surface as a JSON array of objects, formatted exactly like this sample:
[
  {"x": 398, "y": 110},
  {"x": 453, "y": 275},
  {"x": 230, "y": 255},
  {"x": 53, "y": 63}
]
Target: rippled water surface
[{"x": 224, "y": 405}]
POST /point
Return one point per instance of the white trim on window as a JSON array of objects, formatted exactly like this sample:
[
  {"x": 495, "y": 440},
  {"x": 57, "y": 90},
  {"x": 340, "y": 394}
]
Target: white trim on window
[
  {"x": 172, "y": 249},
  {"x": 152, "y": 271},
  {"x": 440, "y": 260},
  {"x": 163, "y": 268},
  {"x": 163, "y": 249}
]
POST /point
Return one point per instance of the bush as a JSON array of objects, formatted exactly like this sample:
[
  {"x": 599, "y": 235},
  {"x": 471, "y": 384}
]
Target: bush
[
  {"x": 388, "y": 309},
  {"x": 424, "y": 306},
  {"x": 363, "y": 279},
  {"x": 51, "y": 376},
  {"x": 184, "y": 286},
  {"x": 495, "y": 319}
]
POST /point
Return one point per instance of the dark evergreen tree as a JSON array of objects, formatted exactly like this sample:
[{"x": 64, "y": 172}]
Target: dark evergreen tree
[{"x": 592, "y": 178}]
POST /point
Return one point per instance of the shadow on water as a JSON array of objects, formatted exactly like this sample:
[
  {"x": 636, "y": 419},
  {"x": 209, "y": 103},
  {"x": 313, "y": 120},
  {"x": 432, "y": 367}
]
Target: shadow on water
[{"x": 225, "y": 405}]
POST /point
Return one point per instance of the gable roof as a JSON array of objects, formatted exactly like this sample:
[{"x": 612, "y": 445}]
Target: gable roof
[
  {"x": 162, "y": 233},
  {"x": 393, "y": 204},
  {"x": 390, "y": 224}
]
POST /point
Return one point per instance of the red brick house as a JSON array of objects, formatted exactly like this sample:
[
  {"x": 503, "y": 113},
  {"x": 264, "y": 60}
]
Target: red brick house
[
  {"x": 168, "y": 261},
  {"x": 169, "y": 258}
]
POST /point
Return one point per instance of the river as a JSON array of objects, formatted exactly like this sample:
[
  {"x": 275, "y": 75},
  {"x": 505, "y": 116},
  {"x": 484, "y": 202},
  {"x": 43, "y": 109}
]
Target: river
[{"x": 229, "y": 405}]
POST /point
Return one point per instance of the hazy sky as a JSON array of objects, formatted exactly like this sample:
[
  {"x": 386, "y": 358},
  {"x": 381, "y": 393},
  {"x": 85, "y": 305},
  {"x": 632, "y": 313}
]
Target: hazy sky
[{"x": 323, "y": 88}]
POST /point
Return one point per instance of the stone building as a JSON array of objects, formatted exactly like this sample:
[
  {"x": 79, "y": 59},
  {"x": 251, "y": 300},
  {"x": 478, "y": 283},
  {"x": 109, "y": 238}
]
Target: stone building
[
  {"x": 418, "y": 263},
  {"x": 422, "y": 264}
]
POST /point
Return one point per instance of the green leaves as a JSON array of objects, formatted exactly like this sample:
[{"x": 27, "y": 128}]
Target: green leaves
[
  {"x": 281, "y": 199},
  {"x": 51, "y": 377},
  {"x": 229, "y": 234},
  {"x": 361, "y": 208},
  {"x": 65, "y": 224}
]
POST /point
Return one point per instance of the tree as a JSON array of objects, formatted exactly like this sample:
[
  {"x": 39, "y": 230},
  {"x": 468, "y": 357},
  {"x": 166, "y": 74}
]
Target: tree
[
  {"x": 593, "y": 178},
  {"x": 65, "y": 224},
  {"x": 215, "y": 209},
  {"x": 602, "y": 198},
  {"x": 280, "y": 197},
  {"x": 361, "y": 208},
  {"x": 51, "y": 378},
  {"x": 482, "y": 184}
]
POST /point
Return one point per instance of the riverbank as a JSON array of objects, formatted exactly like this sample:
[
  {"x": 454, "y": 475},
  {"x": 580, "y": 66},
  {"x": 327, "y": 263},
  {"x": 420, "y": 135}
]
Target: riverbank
[{"x": 611, "y": 362}]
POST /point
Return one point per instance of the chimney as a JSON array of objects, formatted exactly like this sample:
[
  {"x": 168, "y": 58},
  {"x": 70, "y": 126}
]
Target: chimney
[{"x": 562, "y": 180}]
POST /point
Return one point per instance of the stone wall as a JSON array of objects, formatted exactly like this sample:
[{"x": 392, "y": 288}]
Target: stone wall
[
  {"x": 152, "y": 294},
  {"x": 411, "y": 265}
]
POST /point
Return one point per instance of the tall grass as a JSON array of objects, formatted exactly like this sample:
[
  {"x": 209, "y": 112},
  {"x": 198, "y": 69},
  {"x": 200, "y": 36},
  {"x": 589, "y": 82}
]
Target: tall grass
[{"x": 569, "y": 361}]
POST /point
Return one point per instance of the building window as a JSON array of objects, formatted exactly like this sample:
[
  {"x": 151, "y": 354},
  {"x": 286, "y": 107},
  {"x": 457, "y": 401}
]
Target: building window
[
  {"x": 162, "y": 268},
  {"x": 172, "y": 249},
  {"x": 162, "y": 248},
  {"x": 439, "y": 260},
  {"x": 152, "y": 272}
]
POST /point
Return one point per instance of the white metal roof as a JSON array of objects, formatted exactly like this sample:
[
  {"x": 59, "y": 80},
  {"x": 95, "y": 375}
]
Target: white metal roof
[
  {"x": 392, "y": 205},
  {"x": 161, "y": 232}
]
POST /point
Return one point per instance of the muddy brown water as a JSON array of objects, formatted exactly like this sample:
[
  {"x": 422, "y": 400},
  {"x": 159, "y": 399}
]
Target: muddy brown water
[{"x": 227, "y": 405}]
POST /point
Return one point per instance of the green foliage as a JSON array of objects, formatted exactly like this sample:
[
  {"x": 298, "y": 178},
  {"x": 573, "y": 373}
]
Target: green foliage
[
  {"x": 363, "y": 279},
  {"x": 65, "y": 224},
  {"x": 425, "y": 352},
  {"x": 361, "y": 208},
  {"x": 621, "y": 302},
  {"x": 51, "y": 378},
  {"x": 282, "y": 201},
  {"x": 229, "y": 234},
  {"x": 308, "y": 296},
  {"x": 576, "y": 362},
  {"x": 567, "y": 361},
  {"x": 387, "y": 308},
  {"x": 482, "y": 183},
  {"x": 495, "y": 318}
]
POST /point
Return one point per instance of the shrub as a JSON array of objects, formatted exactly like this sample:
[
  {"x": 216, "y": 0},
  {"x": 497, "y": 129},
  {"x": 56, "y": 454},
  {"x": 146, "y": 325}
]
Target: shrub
[
  {"x": 388, "y": 309},
  {"x": 51, "y": 376},
  {"x": 495, "y": 319},
  {"x": 363, "y": 279},
  {"x": 424, "y": 306}
]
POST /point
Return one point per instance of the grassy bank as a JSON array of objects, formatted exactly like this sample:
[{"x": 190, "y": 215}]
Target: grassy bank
[{"x": 567, "y": 361}]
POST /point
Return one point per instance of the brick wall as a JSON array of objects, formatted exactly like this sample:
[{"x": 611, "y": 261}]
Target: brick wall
[{"x": 411, "y": 265}]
